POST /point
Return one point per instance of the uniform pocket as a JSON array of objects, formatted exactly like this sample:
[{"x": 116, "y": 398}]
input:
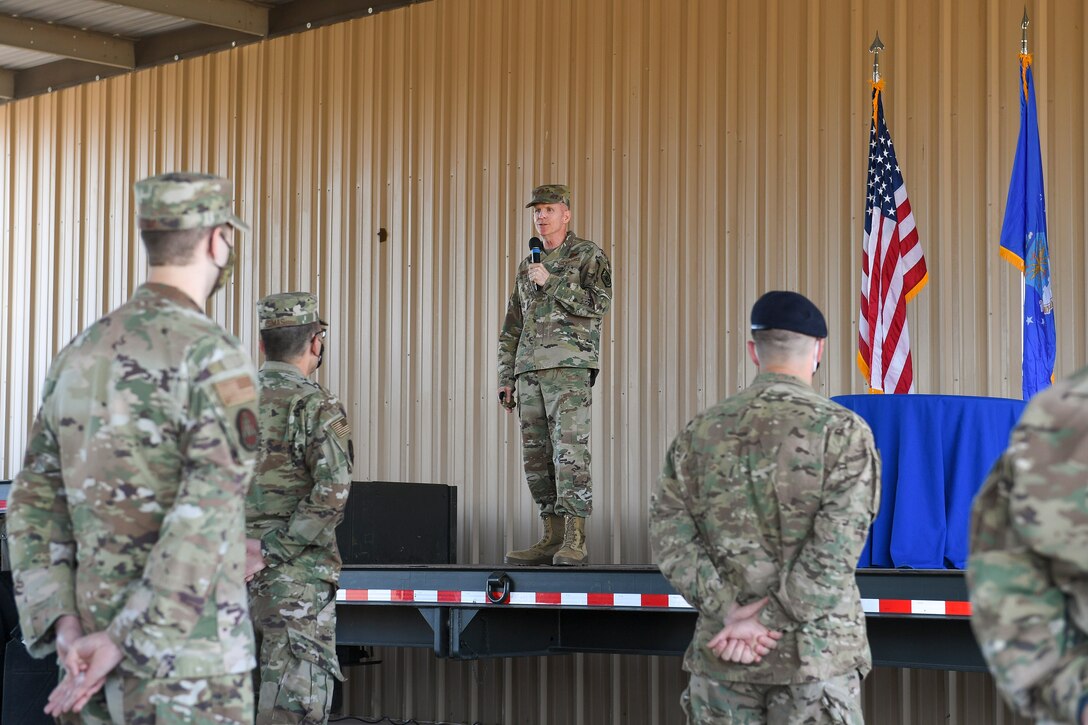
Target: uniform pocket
[
  {"x": 841, "y": 700},
  {"x": 314, "y": 640},
  {"x": 307, "y": 648}
]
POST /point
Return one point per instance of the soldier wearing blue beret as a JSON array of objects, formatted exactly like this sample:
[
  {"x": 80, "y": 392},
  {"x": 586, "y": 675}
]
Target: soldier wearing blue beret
[{"x": 763, "y": 505}]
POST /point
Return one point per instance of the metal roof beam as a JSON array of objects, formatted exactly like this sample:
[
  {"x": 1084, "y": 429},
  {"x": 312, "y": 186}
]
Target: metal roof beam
[
  {"x": 67, "y": 42},
  {"x": 187, "y": 43},
  {"x": 59, "y": 74},
  {"x": 300, "y": 15},
  {"x": 238, "y": 15},
  {"x": 7, "y": 84}
]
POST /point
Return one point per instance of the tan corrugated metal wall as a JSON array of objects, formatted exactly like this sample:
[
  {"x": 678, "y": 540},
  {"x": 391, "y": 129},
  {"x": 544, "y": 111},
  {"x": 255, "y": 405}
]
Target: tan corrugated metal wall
[{"x": 716, "y": 149}]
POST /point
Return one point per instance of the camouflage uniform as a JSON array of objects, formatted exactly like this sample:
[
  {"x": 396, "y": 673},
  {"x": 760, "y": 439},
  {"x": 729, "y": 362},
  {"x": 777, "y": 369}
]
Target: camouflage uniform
[
  {"x": 129, "y": 510},
  {"x": 294, "y": 506},
  {"x": 1028, "y": 567},
  {"x": 550, "y": 345},
  {"x": 771, "y": 493}
]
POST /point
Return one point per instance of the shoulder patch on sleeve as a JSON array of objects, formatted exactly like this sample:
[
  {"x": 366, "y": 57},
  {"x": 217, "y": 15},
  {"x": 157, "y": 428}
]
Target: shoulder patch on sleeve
[
  {"x": 341, "y": 428},
  {"x": 236, "y": 391},
  {"x": 249, "y": 431}
]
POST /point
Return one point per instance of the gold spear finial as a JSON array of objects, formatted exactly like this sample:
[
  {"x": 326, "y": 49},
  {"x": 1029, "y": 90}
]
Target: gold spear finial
[
  {"x": 1024, "y": 32},
  {"x": 875, "y": 49}
]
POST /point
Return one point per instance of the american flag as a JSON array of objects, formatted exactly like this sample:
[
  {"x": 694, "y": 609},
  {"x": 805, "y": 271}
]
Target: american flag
[{"x": 893, "y": 269}]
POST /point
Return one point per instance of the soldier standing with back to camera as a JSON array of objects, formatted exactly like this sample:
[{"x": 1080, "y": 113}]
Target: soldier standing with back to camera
[
  {"x": 1028, "y": 567},
  {"x": 127, "y": 522},
  {"x": 763, "y": 506},
  {"x": 292, "y": 511},
  {"x": 549, "y": 349}
]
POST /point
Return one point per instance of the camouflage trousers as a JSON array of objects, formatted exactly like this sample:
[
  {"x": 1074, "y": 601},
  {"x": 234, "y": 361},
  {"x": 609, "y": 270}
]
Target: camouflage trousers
[
  {"x": 124, "y": 700},
  {"x": 555, "y": 423},
  {"x": 294, "y": 622},
  {"x": 836, "y": 701}
]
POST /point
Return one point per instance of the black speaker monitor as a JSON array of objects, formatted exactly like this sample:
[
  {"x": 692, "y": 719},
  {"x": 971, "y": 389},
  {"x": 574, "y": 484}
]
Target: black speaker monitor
[{"x": 399, "y": 523}]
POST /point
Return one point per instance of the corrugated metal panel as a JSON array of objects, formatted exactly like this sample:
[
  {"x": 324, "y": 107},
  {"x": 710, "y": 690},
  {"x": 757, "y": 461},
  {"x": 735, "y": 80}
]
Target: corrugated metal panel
[
  {"x": 909, "y": 697},
  {"x": 716, "y": 150},
  {"x": 627, "y": 689}
]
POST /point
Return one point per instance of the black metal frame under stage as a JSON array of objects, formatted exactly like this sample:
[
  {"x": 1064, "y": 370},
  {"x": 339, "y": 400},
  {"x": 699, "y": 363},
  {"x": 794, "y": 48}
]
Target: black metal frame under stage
[{"x": 423, "y": 607}]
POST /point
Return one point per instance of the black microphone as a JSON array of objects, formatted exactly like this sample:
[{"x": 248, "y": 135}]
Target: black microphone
[{"x": 534, "y": 252}]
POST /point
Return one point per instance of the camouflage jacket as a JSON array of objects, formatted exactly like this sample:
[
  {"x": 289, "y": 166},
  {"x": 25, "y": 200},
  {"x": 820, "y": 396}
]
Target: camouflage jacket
[
  {"x": 558, "y": 326},
  {"x": 129, "y": 510},
  {"x": 771, "y": 493},
  {"x": 303, "y": 477},
  {"x": 1028, "y": 567}
]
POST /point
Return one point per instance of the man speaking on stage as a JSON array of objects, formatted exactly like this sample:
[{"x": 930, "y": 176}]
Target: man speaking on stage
[{"x": 549, "y": 352}]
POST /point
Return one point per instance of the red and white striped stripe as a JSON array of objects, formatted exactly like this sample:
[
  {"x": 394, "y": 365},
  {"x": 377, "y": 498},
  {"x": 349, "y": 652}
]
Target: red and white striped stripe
[
  {"x": 917, "y": 607},
  {"x": 620, "y": 600},
  {"x": 617, "y": 600}
]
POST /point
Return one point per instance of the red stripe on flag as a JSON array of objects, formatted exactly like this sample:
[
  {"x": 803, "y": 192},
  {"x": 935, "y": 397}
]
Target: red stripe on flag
[
  {"x": 957, "y": 609},
  {"x": 655, "y": 600},
  {"x": 902, "y": 212},
  {"x": 895, "y": 606},
  {"x": 906, "y": 378}
]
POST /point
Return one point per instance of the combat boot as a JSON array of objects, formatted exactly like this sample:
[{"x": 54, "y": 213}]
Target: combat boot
[
  {"x": 542, "y": 551},
  {"x": 574, "y": 551}
]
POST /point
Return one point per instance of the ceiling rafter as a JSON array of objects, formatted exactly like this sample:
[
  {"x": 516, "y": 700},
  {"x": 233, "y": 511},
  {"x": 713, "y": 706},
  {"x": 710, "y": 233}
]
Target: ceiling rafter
[
  {"x": 84, "y": 45},
  {"x": 304, "y": 14},
  {"x": 237, "y": 15},
  {"x": 86, "y": 56}
]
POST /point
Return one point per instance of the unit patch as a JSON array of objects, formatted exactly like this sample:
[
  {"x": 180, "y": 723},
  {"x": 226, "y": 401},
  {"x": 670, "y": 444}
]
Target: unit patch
[
  {"x": 236, "y": 391},
  {"x": 249, "y": 432}
]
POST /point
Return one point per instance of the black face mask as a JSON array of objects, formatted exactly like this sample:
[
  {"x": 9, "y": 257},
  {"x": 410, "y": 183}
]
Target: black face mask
[{"x": 320, "y": 356}]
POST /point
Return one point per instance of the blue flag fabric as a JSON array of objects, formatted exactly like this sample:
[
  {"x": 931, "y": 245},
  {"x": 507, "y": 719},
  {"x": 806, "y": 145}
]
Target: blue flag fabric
[{"x": 1024, "y": 244}]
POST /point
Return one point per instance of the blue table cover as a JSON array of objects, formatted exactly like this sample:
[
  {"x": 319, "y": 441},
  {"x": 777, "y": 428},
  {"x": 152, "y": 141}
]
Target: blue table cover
[{"x": 935, "y": 453}]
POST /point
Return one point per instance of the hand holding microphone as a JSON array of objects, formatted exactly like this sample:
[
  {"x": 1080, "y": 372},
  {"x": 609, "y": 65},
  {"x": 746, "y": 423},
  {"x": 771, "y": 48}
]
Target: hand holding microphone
[{"x": 537, "y": 273}]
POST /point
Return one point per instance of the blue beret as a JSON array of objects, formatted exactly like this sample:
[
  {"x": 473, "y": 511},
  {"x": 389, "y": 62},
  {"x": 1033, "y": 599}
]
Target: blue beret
[{"x": 781, "y": 310}]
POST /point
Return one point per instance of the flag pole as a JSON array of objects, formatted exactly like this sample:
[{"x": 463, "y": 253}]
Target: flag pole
[
  {"x": 878, "y": 85},
  {"x": 1024, "y": 23},
  {"x": 1024, "y": 32},
  {"x": 875, "y": 49}
]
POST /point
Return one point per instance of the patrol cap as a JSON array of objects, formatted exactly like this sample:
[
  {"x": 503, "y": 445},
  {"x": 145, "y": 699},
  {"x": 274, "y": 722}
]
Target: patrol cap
[
  {"x": 287, "y": 309},
  {"x": 183, "y": 200},
  {"x": 782, "y": 310},
  {"x": 550, "y": 194}
]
